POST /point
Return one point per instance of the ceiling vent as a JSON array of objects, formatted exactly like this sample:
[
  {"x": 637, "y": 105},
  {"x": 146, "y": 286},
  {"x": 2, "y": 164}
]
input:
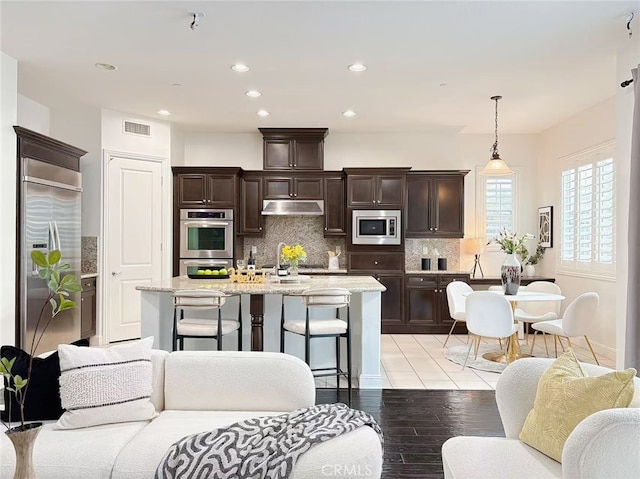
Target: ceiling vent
[{"x": 134, "y": 128}]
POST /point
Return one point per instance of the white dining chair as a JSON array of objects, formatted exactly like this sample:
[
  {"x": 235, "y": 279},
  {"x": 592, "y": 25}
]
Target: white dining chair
[
  {"x": 529, "y": 312},
  {"x": 489, "y": 315},
  {"x": 456, "y": 299},
  {"x": 576, "y": 321}
]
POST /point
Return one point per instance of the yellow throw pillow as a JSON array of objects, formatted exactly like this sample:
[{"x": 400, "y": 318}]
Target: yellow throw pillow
[{"x": 566, "y": 396}]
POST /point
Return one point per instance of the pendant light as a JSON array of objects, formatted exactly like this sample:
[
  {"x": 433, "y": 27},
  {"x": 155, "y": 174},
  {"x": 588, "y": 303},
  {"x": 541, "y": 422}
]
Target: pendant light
[{"x": 496, "y": 166}]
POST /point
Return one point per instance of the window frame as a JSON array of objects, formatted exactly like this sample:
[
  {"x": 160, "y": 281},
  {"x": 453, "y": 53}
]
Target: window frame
[
  {"x": 481, "y": 212},
  {"x": 590, "y": 269}
]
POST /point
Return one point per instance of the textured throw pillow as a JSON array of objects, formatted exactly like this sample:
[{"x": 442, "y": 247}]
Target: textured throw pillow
[
  {"x": 43, "y": 398},
  {"x": 566, "y": 396},
  {"x": 105, "y": 385}
]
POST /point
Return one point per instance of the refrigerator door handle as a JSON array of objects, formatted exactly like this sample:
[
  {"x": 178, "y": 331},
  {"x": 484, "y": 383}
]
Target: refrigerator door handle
[{"x": 57, "y": 234}]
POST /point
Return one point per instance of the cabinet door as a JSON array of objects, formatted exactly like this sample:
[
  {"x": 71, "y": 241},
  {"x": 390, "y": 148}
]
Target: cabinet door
[
  {"x": 391, "y": 306},
  {"x": 307, "y": 188},
  {"x": 251, "y": 206},
  {"x": 277, "y": 189},
  {"x": 448, "y": 206},
  {"x": 222, "y": 191},
  {"x": 278, "y": 154},
  {"x": 192, "y": 191},
  {"x": 88, "y": 308},
  {"x": 419, "y": 197},
  {"x": 422, "y": 305},
  {"x": 444, "y": 317},
  {"x": 390, "y": 191},
  {"x": 334, "y": 207},
  {"x": 308, "y": 155},
  {"x": 361, "y": 190}
]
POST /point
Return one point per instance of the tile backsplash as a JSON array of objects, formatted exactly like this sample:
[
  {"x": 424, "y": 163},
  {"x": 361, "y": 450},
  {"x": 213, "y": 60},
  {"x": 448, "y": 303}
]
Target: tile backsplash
[
  {"x": 89, "y": 254},
  {"x": 305, "y": 230},
  {"x": 436, "y": 248}
]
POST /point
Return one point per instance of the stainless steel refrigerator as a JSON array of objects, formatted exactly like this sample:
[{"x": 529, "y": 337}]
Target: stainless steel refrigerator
[{"x": 50, "y": 219}]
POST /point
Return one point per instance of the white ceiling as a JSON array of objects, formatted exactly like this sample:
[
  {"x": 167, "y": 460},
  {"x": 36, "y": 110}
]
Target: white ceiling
[{"x": 549, "y": 60}]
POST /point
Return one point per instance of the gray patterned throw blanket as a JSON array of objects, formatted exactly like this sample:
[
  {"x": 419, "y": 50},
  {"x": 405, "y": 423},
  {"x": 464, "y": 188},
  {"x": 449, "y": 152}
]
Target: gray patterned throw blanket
[{"x": 263, "y": 447}]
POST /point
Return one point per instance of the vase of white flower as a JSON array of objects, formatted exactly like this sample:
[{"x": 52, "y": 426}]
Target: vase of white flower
[{"x": 511, "y": 269}]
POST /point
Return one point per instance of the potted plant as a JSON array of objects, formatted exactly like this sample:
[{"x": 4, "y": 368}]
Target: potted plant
[
  {"x": 529, "y": 262},
  {"x": 510, "y": 271},
  {"x": 60, "y": 286}
]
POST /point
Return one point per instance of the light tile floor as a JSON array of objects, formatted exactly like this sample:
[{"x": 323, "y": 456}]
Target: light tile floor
[{"x": 417, "y": 361}]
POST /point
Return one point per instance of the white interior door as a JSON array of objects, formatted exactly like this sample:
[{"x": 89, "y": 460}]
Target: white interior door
[{"x": 133, "y": 240}]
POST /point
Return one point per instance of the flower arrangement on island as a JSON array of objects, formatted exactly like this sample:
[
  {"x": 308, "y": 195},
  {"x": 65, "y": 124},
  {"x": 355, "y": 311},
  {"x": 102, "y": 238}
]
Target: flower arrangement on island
[
  {"x": 293, "y": 254},
  {"x": 510, "y": 243}
]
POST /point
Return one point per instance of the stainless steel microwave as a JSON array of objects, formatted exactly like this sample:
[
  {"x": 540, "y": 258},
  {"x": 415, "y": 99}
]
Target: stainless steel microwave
[{"x": 376, "y": 227}]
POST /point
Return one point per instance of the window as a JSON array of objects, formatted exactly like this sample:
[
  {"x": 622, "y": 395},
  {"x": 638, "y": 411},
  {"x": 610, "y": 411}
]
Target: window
[
  {"x": 587, "y": 241},
  {"x": 496, "y": 205}
]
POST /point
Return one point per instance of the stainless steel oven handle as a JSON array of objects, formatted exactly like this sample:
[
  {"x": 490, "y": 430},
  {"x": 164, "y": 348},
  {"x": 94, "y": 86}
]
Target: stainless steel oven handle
[
  {"x": 202, "y": 262},
  {"x": 206, "y": 224}
]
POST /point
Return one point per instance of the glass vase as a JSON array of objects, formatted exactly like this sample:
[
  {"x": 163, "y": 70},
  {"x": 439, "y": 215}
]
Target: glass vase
[
  {"x": 510, "y": 275},
  {"x": 293, "y": 267}
]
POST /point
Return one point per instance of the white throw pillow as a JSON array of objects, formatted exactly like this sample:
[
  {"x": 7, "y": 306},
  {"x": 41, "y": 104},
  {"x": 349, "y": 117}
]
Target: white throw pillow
[{"x": 105, "y": 385}]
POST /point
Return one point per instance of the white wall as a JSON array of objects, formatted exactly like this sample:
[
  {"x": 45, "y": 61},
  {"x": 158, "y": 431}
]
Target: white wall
[
  {"x": 584, "y": 130},
  {"x": 8, "y": 118},
  {"x": 81, "y": 127},
  {"x": 628, "y": 58},
  {"x": 33, "y": 115}
]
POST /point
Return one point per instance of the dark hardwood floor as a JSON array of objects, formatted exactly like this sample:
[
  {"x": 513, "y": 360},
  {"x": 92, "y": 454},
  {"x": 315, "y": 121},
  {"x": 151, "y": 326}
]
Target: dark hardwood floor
[{"x": 415, "y": 423}]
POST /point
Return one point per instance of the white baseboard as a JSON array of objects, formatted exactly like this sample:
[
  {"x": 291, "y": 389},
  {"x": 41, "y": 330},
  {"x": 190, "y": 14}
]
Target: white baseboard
[
  {"x": 600, "y": 349},
  {"x": 370, "y": 381}
]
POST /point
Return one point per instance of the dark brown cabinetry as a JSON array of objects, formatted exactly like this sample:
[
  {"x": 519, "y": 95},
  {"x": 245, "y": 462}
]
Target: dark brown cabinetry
[
  {"x": 250, "y": 206},
  {"x": 427, "y": 309},
  {"x": 301, "y": 188},
  {"x": 334, "y": 207},
  {"x": 375, "y": 187},
  {"x": 391, "y": 303},
  {"x": 293, "y": 148},
  {"x": 88, "y": 308},
  {"x": 435, "y": 204},
  {"x": 202, "y": 189},
  {"x": 376, "y": 262}
]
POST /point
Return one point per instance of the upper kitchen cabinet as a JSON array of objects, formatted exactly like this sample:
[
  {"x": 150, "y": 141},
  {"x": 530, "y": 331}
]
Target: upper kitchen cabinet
[
  {"x": 205, "y": 187},
  {"x": 435, "y": 204},
  {"x": 288, "y": 187},
  {"x": 377, "y": 187},
  {"x": 250, "y": 205},
  {"x": 334, "y": 209},
  {"x": 293, "y": 148}
]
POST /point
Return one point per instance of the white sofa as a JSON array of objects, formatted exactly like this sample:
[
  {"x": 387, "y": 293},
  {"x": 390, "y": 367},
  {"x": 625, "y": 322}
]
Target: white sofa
[
  {"x": 606, "y": 445},
  {"x": 196, "y": 391}
]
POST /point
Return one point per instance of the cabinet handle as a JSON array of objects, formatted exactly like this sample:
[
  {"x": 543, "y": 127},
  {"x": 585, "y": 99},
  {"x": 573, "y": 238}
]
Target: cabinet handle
[
  {"x": 81, "y": 299},
  {"x": 290, "y": 195},
  {"x": 325, "y": 228},
  {"x": 375, "y": 262},
  {"x": 260, "y": 228},
  {"x": 435, "y": 229},
  {"x": 290, "y": 164},
  {"x": 421, "y": 279}
]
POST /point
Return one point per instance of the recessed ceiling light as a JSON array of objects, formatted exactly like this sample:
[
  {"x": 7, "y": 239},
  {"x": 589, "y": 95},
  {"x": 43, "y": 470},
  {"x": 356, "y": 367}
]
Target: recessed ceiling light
[
  {"x": 443, "y": 85},
  {"x": 177, "y": 84},
  {"x": 263, "y": 113},
  {"x": 349, "y": 113},
  {"x": 106, "y": 66},
  {"x": 240, "y": 68},
  {"x": 253, "y": 93},
  {"x": 164, "y": 112},
  {"x": 357, "y": 67}
]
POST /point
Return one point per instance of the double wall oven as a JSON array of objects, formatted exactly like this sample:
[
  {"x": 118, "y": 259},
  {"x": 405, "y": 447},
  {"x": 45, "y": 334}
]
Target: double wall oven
[{"x": 206, "y": 239}]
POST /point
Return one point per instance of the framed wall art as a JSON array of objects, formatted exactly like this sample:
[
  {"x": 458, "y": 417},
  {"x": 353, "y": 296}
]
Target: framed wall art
[{"x": 545, "y": 226}]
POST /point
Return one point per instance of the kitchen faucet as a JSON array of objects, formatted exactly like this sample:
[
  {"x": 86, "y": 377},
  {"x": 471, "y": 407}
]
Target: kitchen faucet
[{"x": 280, "y": 245}]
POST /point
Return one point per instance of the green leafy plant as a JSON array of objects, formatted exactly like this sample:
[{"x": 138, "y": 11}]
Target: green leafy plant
[
  {"x": 534, "y": 258},
  {"x": 60, "y": 288},
  {"x": 510, "y": 242}
]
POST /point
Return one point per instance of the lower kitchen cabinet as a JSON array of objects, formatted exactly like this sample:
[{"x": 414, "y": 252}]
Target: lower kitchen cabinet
[
  {"x": 391, "y": 303},
  {"x": 88, "y": 308},
  {"x": 426, "y": 310}
]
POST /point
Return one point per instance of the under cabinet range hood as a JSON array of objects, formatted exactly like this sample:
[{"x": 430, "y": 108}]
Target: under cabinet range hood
[{"x": 293, "y": 207}]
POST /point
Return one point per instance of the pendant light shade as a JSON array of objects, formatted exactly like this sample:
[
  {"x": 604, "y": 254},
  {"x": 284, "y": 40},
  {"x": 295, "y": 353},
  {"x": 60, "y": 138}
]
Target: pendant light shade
[{"x": 496, "y": 166}]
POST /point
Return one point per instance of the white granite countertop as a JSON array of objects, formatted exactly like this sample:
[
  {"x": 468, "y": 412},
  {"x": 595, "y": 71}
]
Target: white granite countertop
[
  {"x": 355, "y": 284},
  {"x": 322, "y": 271},
  {"x": 88, "y": 275},
  {"x": 427, "y": 272}
]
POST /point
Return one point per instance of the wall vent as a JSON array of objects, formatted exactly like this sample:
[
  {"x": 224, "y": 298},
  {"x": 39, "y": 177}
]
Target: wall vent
[{"x": 135, "y": 128}]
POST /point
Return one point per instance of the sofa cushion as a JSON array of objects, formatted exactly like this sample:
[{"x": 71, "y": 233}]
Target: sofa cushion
[
  {"x": 77, "y": 453},
  {"x": 43, "y": 399},
  {"x": 143, "y": 454},
  {"x": 566, "y": 396},
  {"x": 106, "y": 385},
  {"x": 468, "y": 457}
]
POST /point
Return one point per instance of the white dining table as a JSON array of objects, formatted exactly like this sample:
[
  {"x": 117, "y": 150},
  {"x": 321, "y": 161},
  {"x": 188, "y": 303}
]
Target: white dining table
[{"x": 513, "y": 350}]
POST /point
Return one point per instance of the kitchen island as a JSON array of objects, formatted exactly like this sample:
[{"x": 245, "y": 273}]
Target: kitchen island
[{"x": 264, "y": 302}]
